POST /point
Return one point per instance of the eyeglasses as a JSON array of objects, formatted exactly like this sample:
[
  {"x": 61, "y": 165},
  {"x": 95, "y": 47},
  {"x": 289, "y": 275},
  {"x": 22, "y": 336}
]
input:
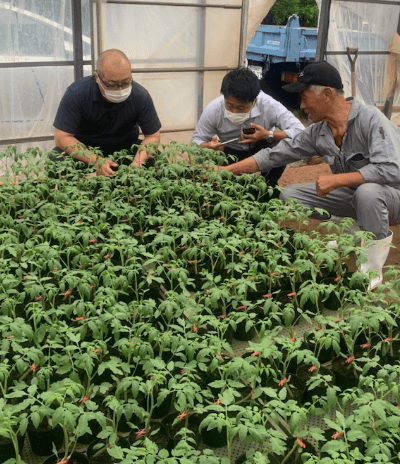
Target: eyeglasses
[{"x": 121, "y": 85}]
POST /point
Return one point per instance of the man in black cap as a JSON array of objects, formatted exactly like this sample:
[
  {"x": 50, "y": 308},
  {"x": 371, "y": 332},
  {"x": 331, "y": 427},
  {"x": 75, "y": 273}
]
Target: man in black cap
[{"x": 362, "y": 148}]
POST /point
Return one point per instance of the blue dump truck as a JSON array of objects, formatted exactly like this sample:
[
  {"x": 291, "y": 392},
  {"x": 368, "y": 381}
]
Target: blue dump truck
[{"x": 280, "y": 51}]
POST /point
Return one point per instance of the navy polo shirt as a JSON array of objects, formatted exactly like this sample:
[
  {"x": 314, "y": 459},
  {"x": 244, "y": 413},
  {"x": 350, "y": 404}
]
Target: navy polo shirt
[{"x": 96, "y": 122}]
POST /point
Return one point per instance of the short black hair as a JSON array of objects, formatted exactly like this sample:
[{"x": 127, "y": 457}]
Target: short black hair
[{"x": 242, "y": 84}]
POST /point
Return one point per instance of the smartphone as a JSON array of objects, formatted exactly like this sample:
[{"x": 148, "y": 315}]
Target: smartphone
[
  {"x": 249, "y": 130},
  {"x": 229, "y": 141}
]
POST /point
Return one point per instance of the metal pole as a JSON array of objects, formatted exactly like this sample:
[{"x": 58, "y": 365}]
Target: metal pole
[
  {"x": 323, "y": 29},
  {"x": 99, "y": 27},
  {"x": 77, "y": 38},
  {"x": 388, "y": 106},
  {"x": 243, "y": 33},
  {"x": 202, "y": 51},
  {"x": 352, "y": 51},
  {"x": 92, "y": 35}
]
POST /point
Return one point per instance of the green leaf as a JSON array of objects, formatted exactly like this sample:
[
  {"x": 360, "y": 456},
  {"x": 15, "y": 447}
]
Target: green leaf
[
  {"x": 243, "y": 431},
  {"x": 331, "y": 397},
  {"x": 379, "y": 408},
  {"x": 35, "y": 418},
  {"x": 41, "y": 332},
  {"x": 69, "y": 421},
  {"x": 227, "y": 397},
  {"x": 282, "y": 394},
  {"x": 20, "y": 407},
  {"x": 163, "y": 454},
  {"x": 82, "y": 427},
  {"x": 333, "y": 425},
  {"x": 23, "y": 425},
  {"x": 116, "y": 452},
  {"x": 354, "y": 435},
  {"x": 334, "y": 445},
  {"x": 217, "y": 384},
  {"x": 5, "y": 433}
]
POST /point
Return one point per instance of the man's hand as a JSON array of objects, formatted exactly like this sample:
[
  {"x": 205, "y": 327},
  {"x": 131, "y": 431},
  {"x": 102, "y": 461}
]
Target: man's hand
[
  {"x": 327, "y": 183},
  {"x": 136, "y": 164},
  {"x": 103, "y": 167},
  {"x": 215, "y": 144},
  {"x": 260, "y": 134},
  {"x": 214, "y": 168},
  {"x": 140, "y": 158}
]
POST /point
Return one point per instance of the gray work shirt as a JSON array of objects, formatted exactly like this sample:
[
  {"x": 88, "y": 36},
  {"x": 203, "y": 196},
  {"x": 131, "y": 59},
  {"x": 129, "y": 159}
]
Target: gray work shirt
[
  {"x": 267, "y": 113},
  {"x": 371, "y": 145}
]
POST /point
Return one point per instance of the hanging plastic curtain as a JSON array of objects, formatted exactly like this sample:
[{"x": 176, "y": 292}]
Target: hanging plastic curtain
[
  {"x": 369, "y": 27},
  {"x": 173, "y": 36}
]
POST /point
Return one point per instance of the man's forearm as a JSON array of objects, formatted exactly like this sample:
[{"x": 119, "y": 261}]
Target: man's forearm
[
  {"x": 350, "y": 179},
  {"x": 247, "y": 165},
  {"x": 279, "y": 135},
  {"x": 72, "y": 146},
  {"x": 90, "y": 158}
]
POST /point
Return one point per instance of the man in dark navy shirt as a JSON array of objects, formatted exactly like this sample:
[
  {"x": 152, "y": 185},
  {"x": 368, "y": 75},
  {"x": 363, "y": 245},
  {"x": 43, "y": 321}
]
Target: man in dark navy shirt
[{"x": 106, "y": 111}]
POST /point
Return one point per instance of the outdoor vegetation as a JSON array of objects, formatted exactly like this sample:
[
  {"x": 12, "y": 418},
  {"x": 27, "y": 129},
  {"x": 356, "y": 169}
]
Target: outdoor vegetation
[
  {"x": 306, "y": 10},
  {"x": 120, "y": 298}
]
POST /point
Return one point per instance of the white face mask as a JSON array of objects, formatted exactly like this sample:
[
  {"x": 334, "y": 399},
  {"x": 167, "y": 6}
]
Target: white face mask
[
  {"x": 117, "y": 96},
  {"x": 237, "y": 118}
]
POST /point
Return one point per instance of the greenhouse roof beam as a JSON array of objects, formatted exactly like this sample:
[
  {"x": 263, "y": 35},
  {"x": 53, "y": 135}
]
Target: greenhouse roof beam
[
  {"x": 45, "y": 138},
  {"x": 365, "y": 52},
  {"x": 383, "y": 2},
  {"x": 178, "y": 70},
  {"x": 39, "y": 64},
  {"x": 196, "y": 5}
]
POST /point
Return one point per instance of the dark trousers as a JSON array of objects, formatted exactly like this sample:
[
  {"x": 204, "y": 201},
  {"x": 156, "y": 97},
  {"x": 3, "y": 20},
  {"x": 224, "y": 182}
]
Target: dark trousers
[{"x": 271, "y": 177}]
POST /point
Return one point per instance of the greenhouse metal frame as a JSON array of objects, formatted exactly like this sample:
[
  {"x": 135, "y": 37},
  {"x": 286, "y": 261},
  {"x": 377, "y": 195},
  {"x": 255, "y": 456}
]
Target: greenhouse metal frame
[{"x": 205, "y": 77}]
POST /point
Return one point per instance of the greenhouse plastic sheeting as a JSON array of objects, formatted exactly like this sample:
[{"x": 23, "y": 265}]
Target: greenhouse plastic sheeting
[
  {"x": 155, "y": 36},
  {"x": 152, "y": 36},
  {"x": 370, "y": 27},
  {"x": 258, "y": 9},
  {"x": 31, "y": 31}
]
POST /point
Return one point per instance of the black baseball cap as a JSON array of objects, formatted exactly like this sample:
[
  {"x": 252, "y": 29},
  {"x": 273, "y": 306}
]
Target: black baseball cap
[{"x": 319, "y": 73}]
